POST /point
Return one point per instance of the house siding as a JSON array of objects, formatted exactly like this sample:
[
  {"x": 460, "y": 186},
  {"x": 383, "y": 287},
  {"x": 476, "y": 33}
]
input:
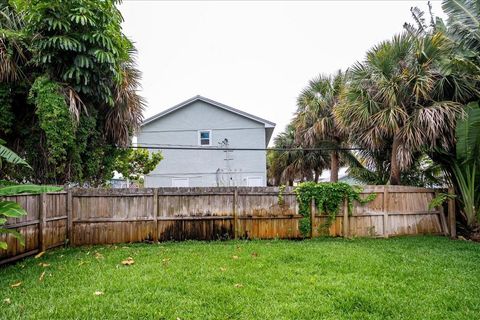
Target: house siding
[{"x": 200, "y": 166}]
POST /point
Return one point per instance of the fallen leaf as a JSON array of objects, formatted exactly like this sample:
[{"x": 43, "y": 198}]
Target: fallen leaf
[
  {"x": 7, "y": 300},
  {"x": 41, "y": 276},
  {"x": 15, "y": 285},
  {"x": 223, "y": 269},
  {"x": 166, "y": 260},
  {"x": 98, "y": 293},
  {"x": 42, "y": 264},
  {"x": 254, "y": 254},
  {"x": 98, "y": 255},
  {"x": 40, "y": 254},
  {"x": 129, "y": 261},
  {"x": 235, "y": 257},
  {"x": 238, "y": 285}
]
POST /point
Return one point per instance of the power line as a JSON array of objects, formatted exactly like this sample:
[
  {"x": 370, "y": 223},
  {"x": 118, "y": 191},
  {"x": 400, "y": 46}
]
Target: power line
[{"x": 170, "y": 147}]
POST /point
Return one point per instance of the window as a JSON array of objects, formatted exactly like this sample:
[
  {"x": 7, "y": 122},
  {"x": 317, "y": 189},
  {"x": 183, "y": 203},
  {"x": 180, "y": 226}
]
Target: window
[
  {"x": 180, "y": 182},
  {"x": 205, "y": 137}
]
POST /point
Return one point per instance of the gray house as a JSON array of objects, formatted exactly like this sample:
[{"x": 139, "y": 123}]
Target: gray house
[{"x": 203, "y": 126}]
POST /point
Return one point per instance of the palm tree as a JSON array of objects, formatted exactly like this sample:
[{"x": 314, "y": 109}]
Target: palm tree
[
  {"x": 399, "y": 99},
  {"x": 280, "y": 160},
  {"x": 13, "y": 51},
  {"x": 293, "y": 163},
  {"x": 315, "y": 123}
]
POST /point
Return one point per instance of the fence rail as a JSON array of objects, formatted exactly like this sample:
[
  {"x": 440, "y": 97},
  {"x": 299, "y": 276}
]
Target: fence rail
[{"x": 103, "y": 216}]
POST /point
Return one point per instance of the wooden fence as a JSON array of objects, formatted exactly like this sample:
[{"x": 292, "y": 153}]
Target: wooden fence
[{"x": 102, "y": 216}]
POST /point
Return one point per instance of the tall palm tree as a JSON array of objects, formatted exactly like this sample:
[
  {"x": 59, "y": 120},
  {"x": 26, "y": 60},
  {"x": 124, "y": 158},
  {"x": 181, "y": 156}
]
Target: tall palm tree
[
  {"x": 315, "y": 123},
  {"x": 401, "y": 99}
]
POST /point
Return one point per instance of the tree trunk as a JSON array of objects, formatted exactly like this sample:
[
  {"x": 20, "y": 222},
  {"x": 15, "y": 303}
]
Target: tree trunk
[
  {"x": 309, "y": 175},
  {"x": 394, "y": 163},
  {"x": 317, "y": 176},
  {"x": 334, "y": 166}
]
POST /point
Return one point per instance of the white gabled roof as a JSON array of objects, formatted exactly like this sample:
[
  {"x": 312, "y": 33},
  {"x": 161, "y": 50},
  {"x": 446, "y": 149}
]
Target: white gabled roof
[{"x": 268, "y": 124}]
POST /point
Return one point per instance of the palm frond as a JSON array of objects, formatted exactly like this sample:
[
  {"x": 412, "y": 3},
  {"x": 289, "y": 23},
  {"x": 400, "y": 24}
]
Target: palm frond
[
  {"x": 126, "y": 115},
  {"x": 10, "y": 156}
]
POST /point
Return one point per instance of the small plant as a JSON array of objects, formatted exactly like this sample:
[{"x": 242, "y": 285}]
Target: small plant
[
  {"x": 133, "y": 164},
  {"x": 440, "y": 199},
  {"x": 328, "y": 199},
  {"x": 371, "y": 231}
]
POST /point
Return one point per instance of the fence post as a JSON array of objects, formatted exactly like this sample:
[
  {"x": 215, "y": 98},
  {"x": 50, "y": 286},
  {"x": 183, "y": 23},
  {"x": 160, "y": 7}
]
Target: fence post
[
  {"x": 451, "y": 214},
  {"x": 345, "y": 218},
  {"x": 42, "y": 217},
  {"x": 69, "y": 217},
  {"x": 313, "y": 210},
  {"x": 441, "y": 214},
  {"x": 155, "y": 215},
  {"x": 386, "y": 195},
  {"x": 235, "y": 213}
]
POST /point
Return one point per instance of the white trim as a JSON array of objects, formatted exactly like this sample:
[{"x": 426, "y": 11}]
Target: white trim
[
  {"x": 209, "y": 138},
  {"x": 181, "y": 179}
]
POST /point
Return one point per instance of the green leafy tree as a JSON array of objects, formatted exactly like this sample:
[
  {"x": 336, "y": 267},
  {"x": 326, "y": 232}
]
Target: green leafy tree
[
  {"x": 135, "y": 163},
  {"x": 68, "y": 88}
]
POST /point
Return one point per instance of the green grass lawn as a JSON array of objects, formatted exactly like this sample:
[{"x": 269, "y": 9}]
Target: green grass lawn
[{"x": 398, "y": 278}]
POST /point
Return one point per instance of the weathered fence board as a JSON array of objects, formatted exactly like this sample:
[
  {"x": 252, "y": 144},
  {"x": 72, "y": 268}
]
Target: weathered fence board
[{"x": 104, "y": 216}]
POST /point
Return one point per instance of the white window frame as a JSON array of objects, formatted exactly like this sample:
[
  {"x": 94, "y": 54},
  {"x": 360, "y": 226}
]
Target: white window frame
[
  {"x": 200, "y": 139},
  {"x": 255, "y": 177},
  {"x": 178, "y": 179}
]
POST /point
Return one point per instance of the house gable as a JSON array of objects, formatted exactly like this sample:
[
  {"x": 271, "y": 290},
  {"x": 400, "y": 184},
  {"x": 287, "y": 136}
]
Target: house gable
[{"x": 200, "y": 113}]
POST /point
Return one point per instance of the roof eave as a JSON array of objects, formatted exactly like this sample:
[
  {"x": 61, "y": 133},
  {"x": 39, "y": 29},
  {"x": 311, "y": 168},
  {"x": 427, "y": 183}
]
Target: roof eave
[{"x": 268, "y": 124}]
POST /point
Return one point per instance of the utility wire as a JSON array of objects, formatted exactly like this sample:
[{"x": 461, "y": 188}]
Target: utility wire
[{"x": 170, "y": 147}]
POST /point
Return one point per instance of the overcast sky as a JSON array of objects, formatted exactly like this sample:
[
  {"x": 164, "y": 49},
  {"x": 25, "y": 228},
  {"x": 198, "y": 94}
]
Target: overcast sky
[{"x": 254, "y": 56}]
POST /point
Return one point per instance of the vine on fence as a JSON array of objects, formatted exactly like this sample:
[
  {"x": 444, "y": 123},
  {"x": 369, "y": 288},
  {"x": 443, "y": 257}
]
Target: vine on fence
[{"x": 328, "y": 198}]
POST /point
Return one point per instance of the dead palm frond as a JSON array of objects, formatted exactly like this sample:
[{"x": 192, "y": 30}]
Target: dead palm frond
[{"x": 126, "y": 115}]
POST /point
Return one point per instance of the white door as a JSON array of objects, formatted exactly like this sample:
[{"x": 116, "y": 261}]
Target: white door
[
  {"x": 254, "y": 181},
  {"x": 180, "y": 182}
]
